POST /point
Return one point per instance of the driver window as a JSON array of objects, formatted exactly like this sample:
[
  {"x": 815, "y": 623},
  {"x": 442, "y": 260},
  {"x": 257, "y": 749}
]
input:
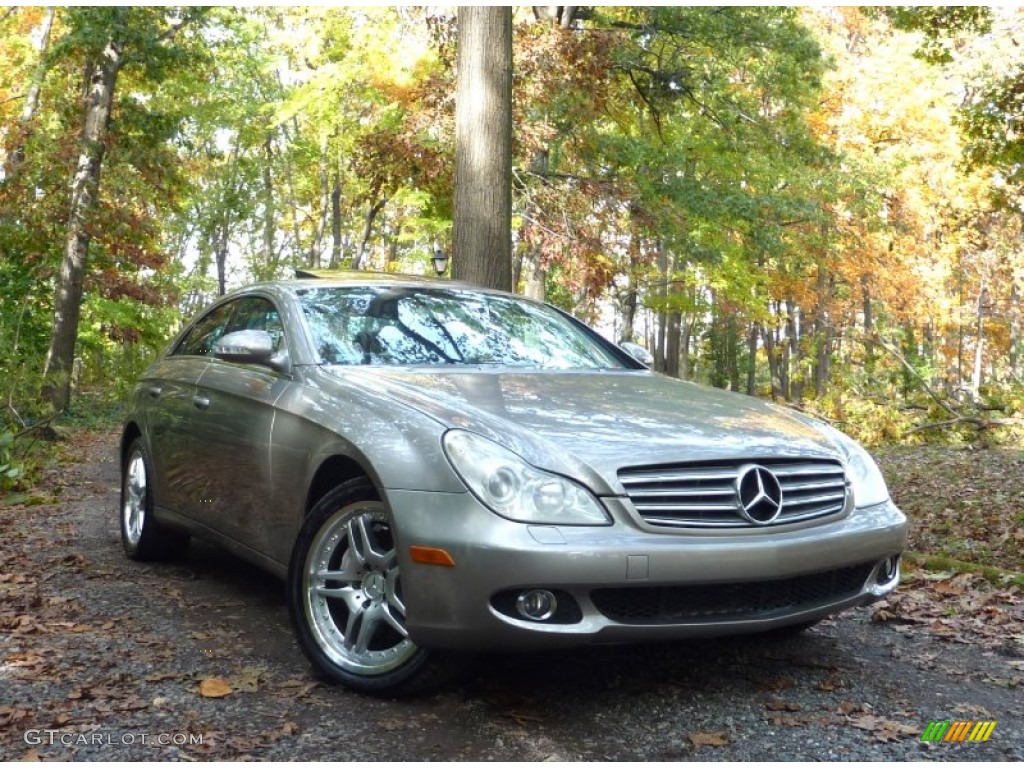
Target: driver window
[
  {"x": 255, "y": 313},
  {"x": 206, "y": 332}
]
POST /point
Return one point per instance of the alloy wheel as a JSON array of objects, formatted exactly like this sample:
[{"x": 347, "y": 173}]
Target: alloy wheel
[{"x": 352, "y": 592}]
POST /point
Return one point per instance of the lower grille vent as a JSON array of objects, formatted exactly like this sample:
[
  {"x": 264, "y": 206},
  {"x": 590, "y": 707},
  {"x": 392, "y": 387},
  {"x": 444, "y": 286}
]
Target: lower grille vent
[{"x": 743, "y": 600}]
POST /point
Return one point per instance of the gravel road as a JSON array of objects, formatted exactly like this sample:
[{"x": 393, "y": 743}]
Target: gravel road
[{"x": 102, "y": 658}]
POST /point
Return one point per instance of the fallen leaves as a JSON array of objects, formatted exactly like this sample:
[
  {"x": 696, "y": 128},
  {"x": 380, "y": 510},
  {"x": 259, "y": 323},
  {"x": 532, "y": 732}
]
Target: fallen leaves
[
  {"x": 883, "y": 729},
  {"x": 215, "y": 688},
  {"x": 960, "y": 504},
  {"x": 963, "y": 608},
  {"x": 713, "y": 739}
]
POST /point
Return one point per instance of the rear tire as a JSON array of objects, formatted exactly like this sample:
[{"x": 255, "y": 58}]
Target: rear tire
[
  {"x": 142, "y": 537},
  {"x": 346, "y": 604}
]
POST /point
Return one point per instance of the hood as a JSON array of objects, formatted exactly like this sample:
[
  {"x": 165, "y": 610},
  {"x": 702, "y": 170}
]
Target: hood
[{"x": 572, "y": 421}]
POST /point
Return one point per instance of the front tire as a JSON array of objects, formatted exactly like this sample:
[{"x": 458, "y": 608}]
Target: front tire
[
  {"x": 142, "y": 537},
  {"x": 345, "y": 599}
]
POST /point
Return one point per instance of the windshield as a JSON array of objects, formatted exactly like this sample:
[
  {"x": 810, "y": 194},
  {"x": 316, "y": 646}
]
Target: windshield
[{"x": 388, "y": 325}]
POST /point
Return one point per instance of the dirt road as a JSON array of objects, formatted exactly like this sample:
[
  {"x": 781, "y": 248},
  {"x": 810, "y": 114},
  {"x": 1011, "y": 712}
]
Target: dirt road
[{"x": 103, "y": 658}]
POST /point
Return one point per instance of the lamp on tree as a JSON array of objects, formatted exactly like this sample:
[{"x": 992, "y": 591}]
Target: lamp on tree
[{"x": 440, "y": 261}]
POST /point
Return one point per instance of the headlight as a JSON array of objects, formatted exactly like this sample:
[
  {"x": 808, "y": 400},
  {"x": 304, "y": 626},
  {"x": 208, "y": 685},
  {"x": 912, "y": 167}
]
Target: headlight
[
  {"x": 868, "y": 484},
  {"x": 866, "y": 478},
  {"x": 514, "y": 489}
]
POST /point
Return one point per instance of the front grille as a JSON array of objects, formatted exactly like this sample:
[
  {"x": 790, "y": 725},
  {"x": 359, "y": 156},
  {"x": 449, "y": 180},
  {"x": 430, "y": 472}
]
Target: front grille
[
  {"x": 719, "y": 602},
  {"x": 704, "y": 495}
]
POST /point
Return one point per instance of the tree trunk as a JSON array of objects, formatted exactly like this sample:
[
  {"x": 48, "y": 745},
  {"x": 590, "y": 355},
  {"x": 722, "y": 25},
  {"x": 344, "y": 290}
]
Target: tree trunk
[
  {"x": 482, "y": 232},
  {"x": 672, "y": 343},
  {"x": 269, "y": 254},
  {"x": 660, "y": 350},
  {"x": 795, "y": 357},
  {"x": 221, "y": 253},
  {"x": 752, "y": 333},
  {"x": 869, "y": 326},
  {"x": 631, "y": 300},
  {"x": 733, "y": 351},
  {"x": 336, "y": 221},
  {"x": 822, "y": 336},
  {"x": 364, "y": 244},
  {"x": 317, "y": 248},
  {"x": 979, "y": 347},
  {"x": 1015, "y": 331},
  {"x": 292, "y": 199},
  {"x": 101, "y": 84},
  {"x": 223, "y": 231},
  {"x": 533, "y": 275},
  {"x": 768, "y": 340},
  {"x": 16, "y": 157},
  {"x": 960, "y": 338},
  {"x": 685, "y": 332}
]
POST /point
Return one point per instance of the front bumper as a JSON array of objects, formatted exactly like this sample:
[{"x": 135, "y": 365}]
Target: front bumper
[{"x": 787, "y": 575}]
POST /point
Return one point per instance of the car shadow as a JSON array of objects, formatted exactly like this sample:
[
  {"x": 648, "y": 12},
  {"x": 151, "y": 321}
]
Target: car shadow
[{"x": 256, "y": 602}]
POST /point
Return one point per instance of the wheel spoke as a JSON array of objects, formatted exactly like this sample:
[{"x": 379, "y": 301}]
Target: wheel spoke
[
  {"x": 387, "y": 611},
  {"x": 349, "y": 572},
  {"x": 392, "y": 596},
  {"x": 352, "y": 597},
  {"x": 357, "y": 541},
  {"x": 369, "y": 545},
  {"x": 367, "y": 628}
]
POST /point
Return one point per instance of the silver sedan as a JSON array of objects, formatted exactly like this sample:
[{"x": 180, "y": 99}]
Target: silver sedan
[{"x": 437, "y": 469}]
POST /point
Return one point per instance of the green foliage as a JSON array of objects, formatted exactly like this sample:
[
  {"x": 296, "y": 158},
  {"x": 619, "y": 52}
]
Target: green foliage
[
  {"x": 10, "y": 470},
  {"x": 940, "y": 24}
]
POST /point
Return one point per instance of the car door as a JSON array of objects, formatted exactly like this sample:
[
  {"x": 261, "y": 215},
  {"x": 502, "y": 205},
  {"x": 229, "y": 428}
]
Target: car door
[
  {"x": 169, "y": 392},
  {"x": 232, "y": 428}
]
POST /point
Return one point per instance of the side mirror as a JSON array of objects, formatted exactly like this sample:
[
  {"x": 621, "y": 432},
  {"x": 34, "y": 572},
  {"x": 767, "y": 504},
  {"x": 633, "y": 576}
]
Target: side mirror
[
  {"x": 252, "y": 348},
  {"x": 638, "y": 353}
]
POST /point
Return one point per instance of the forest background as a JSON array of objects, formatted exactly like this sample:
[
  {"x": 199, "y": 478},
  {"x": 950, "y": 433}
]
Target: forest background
[{"x": 822, "y": 206}]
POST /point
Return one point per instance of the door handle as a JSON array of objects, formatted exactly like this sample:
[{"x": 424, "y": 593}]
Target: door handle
[
  {"x": 201, "y": 402},
  {"x": 155, "y": 391}
]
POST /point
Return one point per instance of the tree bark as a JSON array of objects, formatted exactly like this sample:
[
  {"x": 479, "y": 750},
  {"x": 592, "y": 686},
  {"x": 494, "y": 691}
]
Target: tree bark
[
  {"x": 336, "y": 221},
  {"x": 364, "y": 243},
  {"x": 292, "y": 199},
  {"x": 869, "y": 326},
  {"x": 228, "y": 192},
  {"x": 269, "y": 255},
  {"x": 1015, "y": 331},
  {"x": 630, "y": 301},
  {"x": 795, "y": 389},
  {"x": 101, "y": 85},
  {"x": 979, "y": 347},
  {"x": 672, "y": 343},
  {"x": 482, "y": 232},
  {"x": 660, "y": 346},
  {"x": 822, "y": 335},
  {"x": 733, "y": 351},
  {"x": 317, "y": 247},
  {"x": 533, "y": 275},
  {"x": 685, "y": 333},
  {"x": 752, "y": 334}
]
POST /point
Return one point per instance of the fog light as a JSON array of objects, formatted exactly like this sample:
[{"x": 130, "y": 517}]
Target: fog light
[
  {"x": 536, "y": 604},
  {"x": 890, "y": 569}
]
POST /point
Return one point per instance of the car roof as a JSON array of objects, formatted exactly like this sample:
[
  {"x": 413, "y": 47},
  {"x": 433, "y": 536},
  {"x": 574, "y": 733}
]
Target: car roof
[{"x": 330, "y": 278}]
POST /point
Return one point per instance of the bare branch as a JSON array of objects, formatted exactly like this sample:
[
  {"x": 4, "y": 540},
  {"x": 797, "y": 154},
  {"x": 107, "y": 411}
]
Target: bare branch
[{"x": 924, "y": 384}]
